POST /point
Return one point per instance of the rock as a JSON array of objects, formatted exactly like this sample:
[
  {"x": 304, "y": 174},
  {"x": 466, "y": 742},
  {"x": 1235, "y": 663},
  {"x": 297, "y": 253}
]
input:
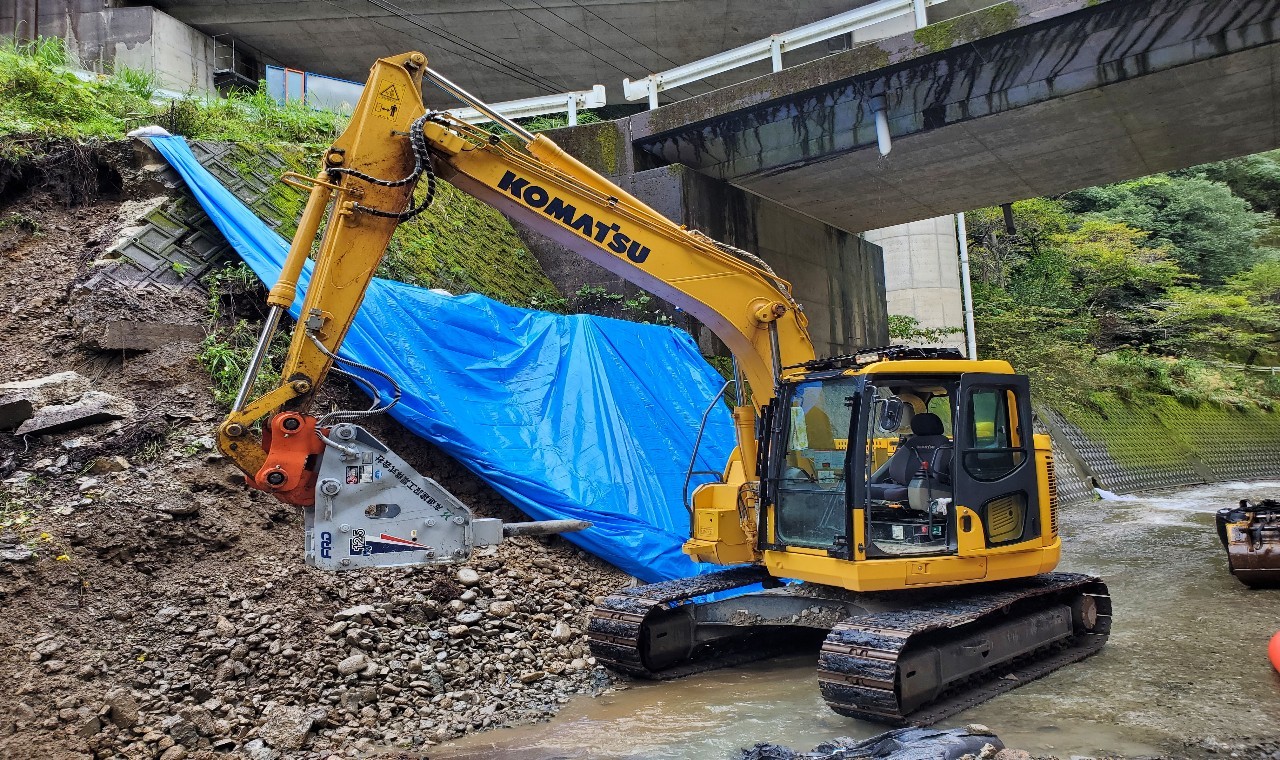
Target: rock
[
  {"x": 562, "y": 632},
  {"x": 19, "y": 400},
  {"x": 1013, "y": 754},
  {"x": 502, "y": 609},
  {"x": 351, "y": 613},
  {"x": 353, "y": 664},
  {"x": 458, "y": 631},
  {"x": 137, "y": 335},
  {"x": 14, "y": 410},
  {"x": 16, "y": 554},
  {"x": 90, "y": 727},
  {"x": 124, "y": 708},
  {"x": 202, "y": 719},
  {"x": 93, "y": 407},
  {"x": 287, "y": 726},
  {"x": 468, "y": 577},
  {"x": 468, "y": 618},
  {"x": 536, "y": 675},
  {"x": 104, "y": 465},
  {"x": 257, "y": 749},
  {"x": 181, "y": 730},
  {"x": 48, "y": 647},
  {"x": 176, "y": 752},
  {"x": 167, "y": 614},
  {"x": 225, "y": 628},
  {"x": 184, "y": 508}
]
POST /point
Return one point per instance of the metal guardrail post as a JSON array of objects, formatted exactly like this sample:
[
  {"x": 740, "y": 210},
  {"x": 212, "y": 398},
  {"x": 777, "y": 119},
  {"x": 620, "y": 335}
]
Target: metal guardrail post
[{"x": 922, "y": 17}]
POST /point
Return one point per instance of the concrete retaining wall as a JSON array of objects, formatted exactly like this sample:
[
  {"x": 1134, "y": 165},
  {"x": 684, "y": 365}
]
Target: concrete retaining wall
[
  {"x": 102, "y": 37},
  {"x": 1160, "y": 444}
]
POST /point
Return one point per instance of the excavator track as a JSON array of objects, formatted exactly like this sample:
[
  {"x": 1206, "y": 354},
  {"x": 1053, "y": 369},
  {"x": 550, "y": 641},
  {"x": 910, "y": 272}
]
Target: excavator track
[
  {"x": 869, "y": 663},
  {"x": 620, "y": 634},
  {"x": 900, "y": 657}
]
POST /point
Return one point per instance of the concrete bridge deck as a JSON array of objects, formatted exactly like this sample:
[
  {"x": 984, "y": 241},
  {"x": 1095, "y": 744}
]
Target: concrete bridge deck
[{"x": 1028, "y": 98}]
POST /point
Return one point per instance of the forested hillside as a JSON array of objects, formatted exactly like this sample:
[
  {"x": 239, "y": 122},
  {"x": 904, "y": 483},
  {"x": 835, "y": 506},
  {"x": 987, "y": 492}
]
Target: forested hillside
[{"x": 1163, "y": 285}]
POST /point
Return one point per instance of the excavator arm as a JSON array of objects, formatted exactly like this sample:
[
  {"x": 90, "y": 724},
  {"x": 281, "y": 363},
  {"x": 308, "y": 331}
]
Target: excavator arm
[{"x": 365, "y": 188}]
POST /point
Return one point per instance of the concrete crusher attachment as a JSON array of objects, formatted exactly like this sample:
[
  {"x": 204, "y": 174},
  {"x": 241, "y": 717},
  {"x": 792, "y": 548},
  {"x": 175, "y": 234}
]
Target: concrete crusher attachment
[
  {"x": 374, "y": 510},
  {"x": 889, "y": 657},
  {"x": 1251, "y": 535}
]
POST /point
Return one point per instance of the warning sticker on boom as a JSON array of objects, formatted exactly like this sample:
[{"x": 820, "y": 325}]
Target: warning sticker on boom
[{"x": 387, "y": 102}]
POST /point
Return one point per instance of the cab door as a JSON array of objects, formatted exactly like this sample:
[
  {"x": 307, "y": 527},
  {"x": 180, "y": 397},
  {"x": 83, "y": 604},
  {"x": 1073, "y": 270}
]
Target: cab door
[{"x": 993, "y": 469}]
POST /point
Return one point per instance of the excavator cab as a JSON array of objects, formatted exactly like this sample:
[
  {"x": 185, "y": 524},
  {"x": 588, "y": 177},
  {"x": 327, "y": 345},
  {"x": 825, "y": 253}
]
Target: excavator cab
[{"x": 882, "y": 463}]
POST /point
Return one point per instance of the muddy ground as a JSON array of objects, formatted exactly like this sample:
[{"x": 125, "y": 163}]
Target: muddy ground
[{"x": 152, "y": 606}]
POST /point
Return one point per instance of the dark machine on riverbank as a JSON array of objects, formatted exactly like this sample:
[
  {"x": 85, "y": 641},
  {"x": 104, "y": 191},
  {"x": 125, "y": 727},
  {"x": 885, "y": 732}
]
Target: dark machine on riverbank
[{"x": 1251, "y": 535}]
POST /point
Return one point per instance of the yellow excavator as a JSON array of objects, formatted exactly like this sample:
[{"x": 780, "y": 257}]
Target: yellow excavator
[{"x": 896, "y": 501}]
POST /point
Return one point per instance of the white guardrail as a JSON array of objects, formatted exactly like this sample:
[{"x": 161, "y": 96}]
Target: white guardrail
[
  {"x": 775, "y": 45},
  {"x": 340, "y": 95},
  {"x": 566, "y": 102}
]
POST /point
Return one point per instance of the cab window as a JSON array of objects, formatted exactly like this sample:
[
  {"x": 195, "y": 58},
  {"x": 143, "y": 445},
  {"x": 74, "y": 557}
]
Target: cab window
[
  {"x": 810, "y": 493},
  {"x": 992, "y": 417}
]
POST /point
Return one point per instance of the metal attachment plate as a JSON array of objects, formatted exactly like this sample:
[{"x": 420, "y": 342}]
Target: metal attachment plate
[{"x": 383, "y": 513}]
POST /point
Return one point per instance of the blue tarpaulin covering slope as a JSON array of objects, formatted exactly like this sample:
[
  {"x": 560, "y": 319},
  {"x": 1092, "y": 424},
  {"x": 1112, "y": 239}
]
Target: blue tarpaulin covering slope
[{"x": 566, "y": 416}]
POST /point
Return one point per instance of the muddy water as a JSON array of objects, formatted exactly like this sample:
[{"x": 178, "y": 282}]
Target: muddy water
[{"x": 1186, "y": 660}]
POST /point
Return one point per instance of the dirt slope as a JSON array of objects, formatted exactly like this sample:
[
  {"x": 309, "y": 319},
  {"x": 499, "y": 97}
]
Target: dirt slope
[{"x": 151, "y": 606}]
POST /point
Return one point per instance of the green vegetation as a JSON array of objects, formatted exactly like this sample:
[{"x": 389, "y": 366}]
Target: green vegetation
[
  {"x": 41, "y": 97},
  {"x": 1143, "y": 289},
  {"x": 908, "y": 329},
  {"x": 462, "y": 245},
  {"x": 225, "y": 351},
  {"x": 971, "y": 26},
  {"x": 19, "y": 221},
  {"x": 592, "y": 299}
]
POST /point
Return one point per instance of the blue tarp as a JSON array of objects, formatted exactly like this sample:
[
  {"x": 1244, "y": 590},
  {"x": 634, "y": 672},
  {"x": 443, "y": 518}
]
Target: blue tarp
[{"x": 576, "y": 417}]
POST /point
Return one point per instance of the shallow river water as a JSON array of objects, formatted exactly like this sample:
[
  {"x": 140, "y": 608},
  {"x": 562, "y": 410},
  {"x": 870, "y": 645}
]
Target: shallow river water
[{"x": 1186, "y": 660}]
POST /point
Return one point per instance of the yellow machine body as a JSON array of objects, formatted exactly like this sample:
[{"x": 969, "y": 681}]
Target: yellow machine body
[{"x": 723, "y": 532}]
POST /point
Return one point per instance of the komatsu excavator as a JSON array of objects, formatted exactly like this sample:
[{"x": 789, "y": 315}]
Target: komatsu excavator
[{"x": 897, "y": 501}]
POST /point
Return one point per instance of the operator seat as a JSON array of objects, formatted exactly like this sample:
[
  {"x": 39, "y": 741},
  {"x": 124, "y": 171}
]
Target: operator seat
[{"x": 892, "y": 480}]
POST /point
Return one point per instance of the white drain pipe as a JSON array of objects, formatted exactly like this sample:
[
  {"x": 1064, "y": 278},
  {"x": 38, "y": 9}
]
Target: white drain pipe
[
  {"x": 962, "y": 237},
  {"x": 879, "y": 106}
]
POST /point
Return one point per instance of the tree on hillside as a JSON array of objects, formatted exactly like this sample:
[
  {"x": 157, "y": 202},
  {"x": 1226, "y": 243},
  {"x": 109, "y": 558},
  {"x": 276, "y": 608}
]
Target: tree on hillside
[
  {"x": 997, "y": 252},
  {"x": 1255, "y": 178},
  {"x": 1208, "y": 231},
  {"x": 1261, "y": 283}
]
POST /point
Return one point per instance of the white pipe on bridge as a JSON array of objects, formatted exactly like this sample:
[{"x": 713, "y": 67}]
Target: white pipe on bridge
[{"x": 970, "y": 339}]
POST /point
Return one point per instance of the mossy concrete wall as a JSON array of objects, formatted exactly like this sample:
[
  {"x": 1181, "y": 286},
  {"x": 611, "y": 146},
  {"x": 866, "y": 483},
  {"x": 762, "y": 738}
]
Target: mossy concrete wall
[{"x": 1160, "y": 443}]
